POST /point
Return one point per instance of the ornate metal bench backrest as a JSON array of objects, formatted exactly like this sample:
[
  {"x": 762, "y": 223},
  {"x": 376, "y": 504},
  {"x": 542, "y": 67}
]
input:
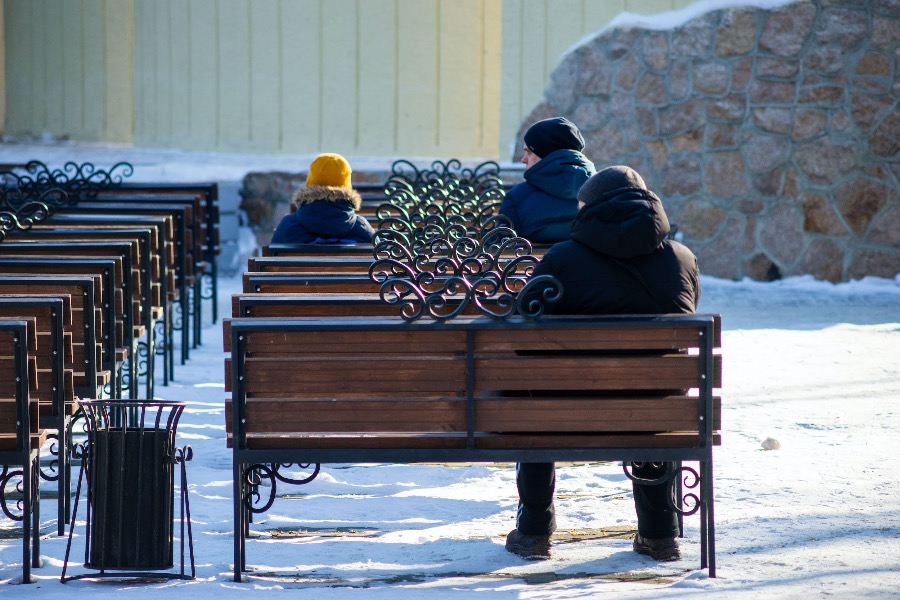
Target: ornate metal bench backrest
[
  {"x": 79, "y": 181},
  {"x": 19, "y": 210}
]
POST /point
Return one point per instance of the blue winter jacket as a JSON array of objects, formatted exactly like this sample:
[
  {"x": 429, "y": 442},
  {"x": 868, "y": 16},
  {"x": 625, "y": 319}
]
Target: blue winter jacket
[
  {"x": 542, "y": 207},
  {"x": 324, "y": 215}
]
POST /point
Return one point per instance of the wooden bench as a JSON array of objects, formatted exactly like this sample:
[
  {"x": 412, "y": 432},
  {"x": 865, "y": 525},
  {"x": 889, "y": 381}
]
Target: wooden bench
[
  {"x": 471, "y": 390},
  {"x": 207, "y": 217},
  {"x": 165, "y": 272},
  {"x": 53, "y": 382},
  {"x": 292, "y": 283},
  {"x": 117, "y": 341},
  {"x": 318, "y": 250},
  {"x": 20, "y": 435},
  {"x": 141, "y": 284},
  {"x": 90, "y": 379},
  {"x": 180, "y": 253}
]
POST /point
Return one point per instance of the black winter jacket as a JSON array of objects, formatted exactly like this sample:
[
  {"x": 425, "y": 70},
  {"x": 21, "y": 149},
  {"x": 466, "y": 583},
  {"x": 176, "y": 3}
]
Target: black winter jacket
[
  {"x": 620, "y": 262},
  {"x": 322, "y": 214},
  {"x": 541, "y": 208}
]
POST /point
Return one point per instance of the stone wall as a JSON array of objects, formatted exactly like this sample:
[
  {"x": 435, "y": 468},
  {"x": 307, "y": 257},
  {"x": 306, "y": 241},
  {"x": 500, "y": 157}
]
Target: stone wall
[{"x": 771, "y": 136}]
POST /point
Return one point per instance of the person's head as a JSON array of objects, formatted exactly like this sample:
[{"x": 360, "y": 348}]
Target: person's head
[
  {"x": 550, "y": 135},
  {"x": 610, "y": 179},
  {"x": 330, "y": 170}
]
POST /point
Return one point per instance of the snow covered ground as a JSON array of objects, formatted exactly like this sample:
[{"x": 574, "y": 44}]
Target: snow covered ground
[{"x": 814, "y": 366}]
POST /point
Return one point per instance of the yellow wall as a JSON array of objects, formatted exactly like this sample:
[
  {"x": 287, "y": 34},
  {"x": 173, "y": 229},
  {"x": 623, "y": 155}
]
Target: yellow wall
[
  {"x": 360, "y": 77},
  {"x": 68, "y": 68},
  {"x": 440, "y": 78},
  {"x": 2, "y": 69}
]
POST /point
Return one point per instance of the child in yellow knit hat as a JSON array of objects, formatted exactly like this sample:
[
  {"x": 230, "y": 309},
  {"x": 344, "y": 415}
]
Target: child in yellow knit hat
[{"x": 325, "y": 211}]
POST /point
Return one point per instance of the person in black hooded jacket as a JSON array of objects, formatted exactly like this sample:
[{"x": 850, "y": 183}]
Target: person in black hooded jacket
[
  {"x": 324, "y": 212},
  {"x": 541, "y": 208},
  {"x": 618, "y": 261}
]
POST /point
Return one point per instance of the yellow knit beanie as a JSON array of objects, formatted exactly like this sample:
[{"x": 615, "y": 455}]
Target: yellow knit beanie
[{"x": 329, "y": 169}]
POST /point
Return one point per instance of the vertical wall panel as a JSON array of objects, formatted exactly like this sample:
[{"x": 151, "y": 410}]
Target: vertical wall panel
[
  {"x": 459, "y": 83},
  {"x": 511, "y": 97},
  {"x": 54, "y": 79},
  {"x": 534, "y": 63},
  {"x": 265, "y": 93},
  {"x": 118, "y": 72},
  {"x": 417, "y": 59},
  {"x": 39, "y": 76},
  {"x": 179, "y": 72},
  {"x": 145, "y": 109},
  {"x": 72, "y": 60},
  {"x": 203, "y": 75},
  {"x": 94, "y": 81},
  {"x": 162, "y": 76},
  {"x": 299, "y": 74},
  {"x": 17, "y": 115},
  {"x": 492, "y": 44},
  {"x": 2, "y": 68},
  {"x": 376, "y": 114},
  {"x": 339, "y": 83},
  {"x": 234, "y": 74}
]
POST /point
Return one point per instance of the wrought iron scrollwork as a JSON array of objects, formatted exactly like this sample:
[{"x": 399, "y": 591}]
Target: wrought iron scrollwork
[
  {"x": 12, "y": 492},
  {"x": 78, "y": 180},
  {"x": 184, "y": 454},
  {"x": 49, "y": 470},
  {"x": 19, "y": 211},
  {"x": 452, "y": 170},
  {"x": 689, "y": 479},
  {"x": 255, "y": 475},
  {"x": 446, "y": 275}
]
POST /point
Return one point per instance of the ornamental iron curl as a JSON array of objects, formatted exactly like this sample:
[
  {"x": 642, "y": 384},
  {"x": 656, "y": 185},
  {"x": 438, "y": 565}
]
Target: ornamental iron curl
[
  {"x": 49, "y": 470},
  {"x": 18, "y": 211},
  {"x": 678, "y": 479},
  {"x": 404, "y": 170},
  {"x": 12, "y": 496},
  {"x": 489, "y": 294},
  {"x": 78, "y": 180},
  {"x": 448, "y": 252},
  {"x": 254, "y": 475}
]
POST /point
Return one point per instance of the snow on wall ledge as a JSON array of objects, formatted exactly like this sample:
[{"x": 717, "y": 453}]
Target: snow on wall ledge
[{"x": 770, "y": 130}]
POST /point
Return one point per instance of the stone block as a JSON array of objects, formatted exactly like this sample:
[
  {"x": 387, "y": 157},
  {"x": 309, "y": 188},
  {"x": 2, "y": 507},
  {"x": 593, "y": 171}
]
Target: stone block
[
  {"x": 859, "y": 201},
  {"x": 824, "y": 260},
  {"x": 736, "y": 33},
  {"x": 819, "y": 216}
]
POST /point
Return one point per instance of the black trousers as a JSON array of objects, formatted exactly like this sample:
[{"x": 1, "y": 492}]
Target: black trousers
[{"x": 537, "y": 516}]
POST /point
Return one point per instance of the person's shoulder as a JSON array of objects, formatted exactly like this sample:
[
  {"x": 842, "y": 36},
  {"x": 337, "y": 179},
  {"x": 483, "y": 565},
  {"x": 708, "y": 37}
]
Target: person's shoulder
[
  {"x": 518, "y": 189},
  {"x": 562, "y": 251},
  {"x": 678, "y": 249}
]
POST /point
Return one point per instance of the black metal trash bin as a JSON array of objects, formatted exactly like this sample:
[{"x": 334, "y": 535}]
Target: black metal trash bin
[
  {"x": 128, "y": 466},
  {"x": 131, "y": 485}
]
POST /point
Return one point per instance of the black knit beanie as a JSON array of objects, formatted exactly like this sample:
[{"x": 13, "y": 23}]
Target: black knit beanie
[
  {"x": 553, "y": 134},
  {"x": 608, "y": 180}
]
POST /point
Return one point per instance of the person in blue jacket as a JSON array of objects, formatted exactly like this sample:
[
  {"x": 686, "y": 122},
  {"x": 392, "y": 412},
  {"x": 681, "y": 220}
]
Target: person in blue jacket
[
  {"x": 542, "y": 207},
  {"x": 325, "y": 211}
]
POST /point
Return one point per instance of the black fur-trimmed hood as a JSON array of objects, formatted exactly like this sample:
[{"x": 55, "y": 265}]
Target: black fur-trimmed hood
[{"x": 314, "y": 193}]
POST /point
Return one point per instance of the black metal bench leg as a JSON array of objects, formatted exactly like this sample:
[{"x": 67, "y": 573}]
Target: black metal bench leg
[
  {"x": 198, "y": 310},
  {"x": 151, "y": 362},
  {"x": 239, "y": 522},
  {"x": 709, "y": 518},
  {"x": 185, "y": 325}
]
